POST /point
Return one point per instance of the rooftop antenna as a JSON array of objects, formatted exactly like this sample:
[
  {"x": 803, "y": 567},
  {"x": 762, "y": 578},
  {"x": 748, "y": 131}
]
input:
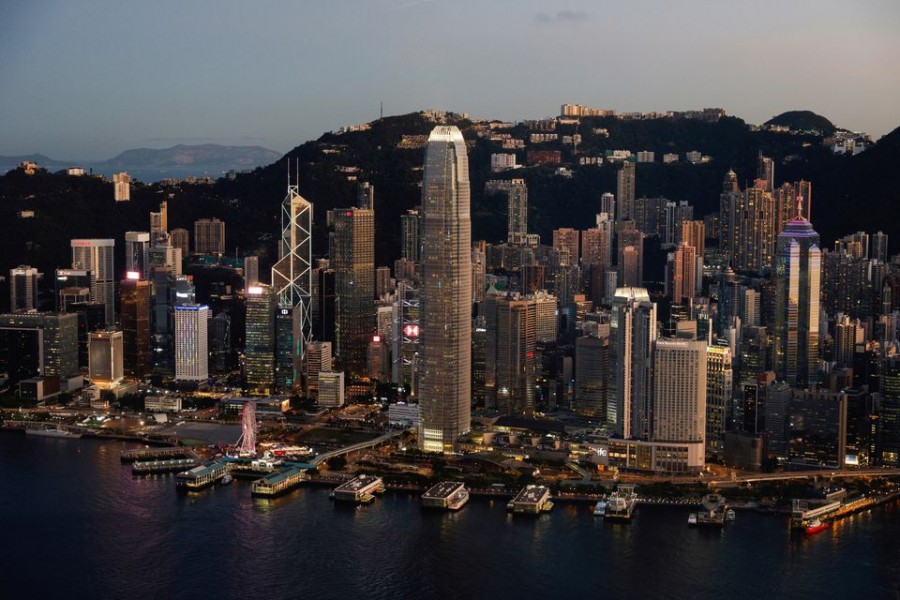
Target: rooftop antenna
[
  {"x": 381, "y": 115},
  {"x": 799, "y": 206}
]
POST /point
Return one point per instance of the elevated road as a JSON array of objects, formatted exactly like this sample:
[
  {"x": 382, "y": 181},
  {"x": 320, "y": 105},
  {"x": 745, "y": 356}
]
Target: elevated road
[
  {"x": 801, "y": 475},
  {"x": 360, "y": 446}
]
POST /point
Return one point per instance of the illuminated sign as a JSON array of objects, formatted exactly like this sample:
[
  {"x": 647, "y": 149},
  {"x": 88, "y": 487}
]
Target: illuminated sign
[
  {"x": 255, "y": 290},
  {"x": 411, "y": 331},
  {"x": 376, "y": 338},
  {"x": 284, "y": 311},
  {"x": 132, "y": 275}
]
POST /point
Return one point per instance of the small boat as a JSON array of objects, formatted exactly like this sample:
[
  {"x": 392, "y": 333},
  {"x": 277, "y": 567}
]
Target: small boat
[
  {"x": 52, "y": 432},
  {"x": 600, "y": 508},
  {"x": 729, "y": 515},
  {"x": 815, "y": 526},
  {"x": 227, "y": 479},
  {"x": 692, "y": 518}
]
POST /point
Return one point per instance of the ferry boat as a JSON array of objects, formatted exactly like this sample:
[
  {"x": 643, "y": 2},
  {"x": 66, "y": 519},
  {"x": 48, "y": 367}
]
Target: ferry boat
[
  {"x": 815, "y": 526},
  {"x": 621, "y": 504},
  {"x": 53, "y": 432},
  {"x": 447, "y": 495},
  {"x": 715, "y": 511},
  {"x": 600, "y": 508}
]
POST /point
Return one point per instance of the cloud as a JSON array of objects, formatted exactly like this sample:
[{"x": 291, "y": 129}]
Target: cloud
[{"x": 563, "y": 16}]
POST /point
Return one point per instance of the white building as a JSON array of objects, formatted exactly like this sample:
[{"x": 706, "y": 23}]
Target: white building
[
  {"x": 122, "y": 187},
  {"x": 191, "y": 356},
  {"x": 501, "y": 162}
]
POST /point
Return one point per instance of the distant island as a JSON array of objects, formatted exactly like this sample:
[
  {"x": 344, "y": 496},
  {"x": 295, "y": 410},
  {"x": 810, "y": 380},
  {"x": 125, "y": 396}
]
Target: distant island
[{"x": 152, "y": 164}]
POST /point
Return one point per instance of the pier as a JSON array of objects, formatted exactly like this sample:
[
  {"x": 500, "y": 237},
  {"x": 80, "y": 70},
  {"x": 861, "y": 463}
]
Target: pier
[
  {"x": 446, "y": 495},
  {"x": 172, "y": 465},
  {"x": 201, "y": 477},
  {"x": 360, "y": 490},
  {"x": 531, "y": 500},
  {"x": 276, "y": 484},
  {"x": 148, "y": 454}
]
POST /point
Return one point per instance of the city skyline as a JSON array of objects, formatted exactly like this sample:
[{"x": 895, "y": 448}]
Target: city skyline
[{"x": 177, "y": 77}]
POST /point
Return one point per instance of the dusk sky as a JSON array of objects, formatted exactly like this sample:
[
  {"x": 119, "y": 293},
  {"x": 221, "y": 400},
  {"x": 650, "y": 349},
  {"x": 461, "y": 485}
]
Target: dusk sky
[{"x": 87, "y": 80}]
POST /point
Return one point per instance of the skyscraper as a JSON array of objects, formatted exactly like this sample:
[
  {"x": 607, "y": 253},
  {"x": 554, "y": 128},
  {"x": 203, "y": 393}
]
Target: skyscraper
[
  {"x": 634, "y": 324},
  {"x": 365, "y": 196},
  {"x": 105, "y": 364},
  {"x": 565, "y": 241},
  {"x": 209, "y": 236},
  {"x": 137, "y": 253},
  {"x": 353, "y": 261},
  {"x": 318, "y": 360},
  {"x": 678, "y": 413},
  {"x": 510, "y": 353},
  {"x": 97, "y": 256},
  {"x": 625, "y": 191},
  {"x": 446, "y": 293},
  {"x": 409, "y": 236},
  {"x": 631, "y": 258},
  {"x": 684, "y": 279},
  {"x": 259, "y": 339},
  {"x": 292, "y": 274},
  {"x": 191, "y": 358},
  {"x": 135, "y": 315},
  {"x": 517, "y": 205},
  {"x": 798, "y": 265},
  {"x": 181, "y": 239},
  {"x": 23, "y": 288}
]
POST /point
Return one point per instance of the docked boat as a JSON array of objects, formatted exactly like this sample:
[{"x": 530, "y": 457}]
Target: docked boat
[
  {"x": 53, "y": 432},
  {"x": 227, "y": 479},
  {"x": 692, "y": 518},
  {"x": 815, "y": 526},
  {"x": 600, "y": 508},
  {"x": 715, "y": 511},
  {"x": 621, "y": 504}
]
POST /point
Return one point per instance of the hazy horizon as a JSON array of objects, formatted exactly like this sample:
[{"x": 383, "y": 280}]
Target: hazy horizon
[{"x": 87, "y": 81}]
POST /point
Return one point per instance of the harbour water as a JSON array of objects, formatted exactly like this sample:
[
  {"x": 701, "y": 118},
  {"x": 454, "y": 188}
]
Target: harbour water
[{"x": 75, "y": 523}]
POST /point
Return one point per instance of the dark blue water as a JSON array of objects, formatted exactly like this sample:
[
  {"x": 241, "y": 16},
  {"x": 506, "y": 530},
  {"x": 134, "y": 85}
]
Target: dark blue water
[{"x": 74, "y": 523}]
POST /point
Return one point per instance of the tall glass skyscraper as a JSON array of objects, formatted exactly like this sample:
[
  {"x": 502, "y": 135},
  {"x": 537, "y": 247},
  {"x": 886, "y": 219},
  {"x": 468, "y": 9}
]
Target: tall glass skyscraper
[
  {"x": 97, "y": 257},
  {"x": 798, "y": 269},
  {"x": 446, "y": 293}
]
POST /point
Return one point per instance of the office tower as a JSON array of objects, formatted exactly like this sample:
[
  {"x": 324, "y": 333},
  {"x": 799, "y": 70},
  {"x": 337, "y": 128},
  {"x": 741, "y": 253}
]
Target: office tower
[
  {"x": 219, "y": 336},
  {"x": 106, "y": 360},
  {"x": 847, "y": 335},
  {"x": 318, "y": 360},
  {"x": 405, "y": 352},
  {"x": 365, "y": 196},
  {"x": 168, "y": 291},
  {"x": 679, "y": 391},
  {"x": 592, "y": 355},
  {"x": 74, "y": 295},
  {"x": 91, "y": 317},
  {"x": 625, "y": 191},
  {"x": 23, "y": 288},
  {"x": 353, "y": 260},
  {"x": 137, "y": 253},
  {"x": 631, "y": 258},
  {"x": 510, "y": 368},
  {"x": 719, "y": 386},
  {"x": 517, "y": 209},
  {"x": 608, "y": 205},
  {"x": 323, "y": 325},
  {"x": 446, "y": 293},
  {"x": 209, "y": 236},
  {"x": 285, "y": 334},
  {"x": 251, "y": 271},
  {"x": 479, "y": 270},
  {"x": 38, "y": 344},
  {"x": 97, "y": 257},
  {"x": 292, "y": 274},
  {"x": 191, "y": 358},
  {"x": 159, "y": 224},
  {"x": 259, "y": 339},
  {"x": 121, "y": 187},
  {"x": 634, "y": 324},
  {"x": 565, "y": 241},
  {"x": 797, "y": 293},
  {"x": 409, "y": 236},
  {"x": 383, "y": 283},
  {"x": 166, "y": 258},
  {"x": 676, "y": 213},
  {"x": 765, "y": 171},
  {"x": 378, "y": 359},
  {"x": 135, "y": 316},
  {"x": 181, "y": 239},
  {"x": 879, "y": 247},
  {"x": 787, "y": 197},
  {"x": 331, "y": 389},
  {"x": 684, "y": 280},
  {"x": 748, "y": 228}
]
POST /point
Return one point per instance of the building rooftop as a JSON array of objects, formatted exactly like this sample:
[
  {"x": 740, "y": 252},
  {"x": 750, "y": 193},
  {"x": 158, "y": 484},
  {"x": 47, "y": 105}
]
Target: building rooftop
[{"x": 444, "y": 489}]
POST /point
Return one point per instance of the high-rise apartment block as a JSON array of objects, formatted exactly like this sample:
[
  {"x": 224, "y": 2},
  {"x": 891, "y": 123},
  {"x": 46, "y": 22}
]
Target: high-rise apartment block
[
  {"x": 23, "y": 288},
  {"x": 121, "y": 187},
  {"x": 209, "y": 236},
  {"x": 137, "y": 253}
]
